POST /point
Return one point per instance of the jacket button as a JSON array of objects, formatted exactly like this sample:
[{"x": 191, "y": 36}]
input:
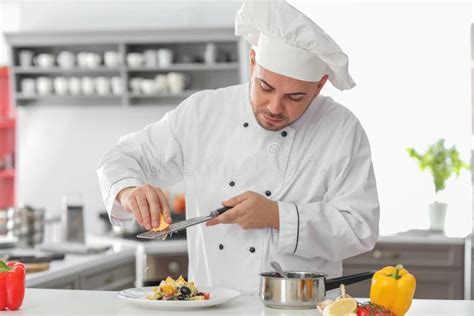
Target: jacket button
[
  {"x": 231, "y": 183},
  {"x": 221, "y": 246},
  {"x": 252, "y": 249},
  {"x": 284, "y": 133},
  {"x": 246, "y": 124},
  {"x": 268, "y": 193}
]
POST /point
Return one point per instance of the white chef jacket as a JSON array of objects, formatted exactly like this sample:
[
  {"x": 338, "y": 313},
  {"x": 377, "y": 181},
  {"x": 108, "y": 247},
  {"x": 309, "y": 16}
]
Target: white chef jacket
[{"x": 318, "y": 169}]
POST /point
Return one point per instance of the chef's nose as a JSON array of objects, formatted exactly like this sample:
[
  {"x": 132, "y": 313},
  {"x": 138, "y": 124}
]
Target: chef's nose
[{"x": 275, "y": 106}]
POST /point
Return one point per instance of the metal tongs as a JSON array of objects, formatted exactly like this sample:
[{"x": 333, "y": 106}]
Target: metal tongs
[{"x": 173, "y": 228}]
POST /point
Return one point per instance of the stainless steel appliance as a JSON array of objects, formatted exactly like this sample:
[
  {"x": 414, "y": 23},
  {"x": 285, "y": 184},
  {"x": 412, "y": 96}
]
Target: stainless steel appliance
[{"x": 27, "y": 224}]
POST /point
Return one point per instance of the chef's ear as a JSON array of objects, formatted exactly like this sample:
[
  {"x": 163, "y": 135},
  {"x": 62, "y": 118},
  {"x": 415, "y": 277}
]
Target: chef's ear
[
  {"x": 252, "y": 57},
  {"x": 321, "y": 83}
]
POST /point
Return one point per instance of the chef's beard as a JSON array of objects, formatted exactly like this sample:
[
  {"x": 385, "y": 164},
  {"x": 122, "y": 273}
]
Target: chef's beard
[
  {"x": 285, "y": 121},
  {"x": 259, "y": 116}
]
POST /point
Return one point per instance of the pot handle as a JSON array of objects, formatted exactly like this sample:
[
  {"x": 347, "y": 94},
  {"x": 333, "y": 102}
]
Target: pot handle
[{"x": 334, "y": 283}]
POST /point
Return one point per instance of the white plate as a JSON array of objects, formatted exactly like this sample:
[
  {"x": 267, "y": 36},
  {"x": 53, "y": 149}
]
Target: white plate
[{"x": 138, "y": 295}]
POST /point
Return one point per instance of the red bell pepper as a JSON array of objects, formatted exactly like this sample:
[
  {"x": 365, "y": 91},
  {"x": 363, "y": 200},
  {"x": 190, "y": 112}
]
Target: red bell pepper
[{"x": 12, "y": 285}]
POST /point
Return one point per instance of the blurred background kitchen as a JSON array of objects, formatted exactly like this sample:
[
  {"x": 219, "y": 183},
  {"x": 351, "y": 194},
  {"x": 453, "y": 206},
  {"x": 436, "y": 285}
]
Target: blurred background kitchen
[{"x": 76, "y": 75}]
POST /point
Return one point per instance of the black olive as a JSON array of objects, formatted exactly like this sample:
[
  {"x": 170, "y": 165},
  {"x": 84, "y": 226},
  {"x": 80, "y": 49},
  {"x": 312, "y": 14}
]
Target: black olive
[
  {"x": 199, "y": 294},
  {"x": 185, "y": 291},
  {"x": 180, "y": 297}
]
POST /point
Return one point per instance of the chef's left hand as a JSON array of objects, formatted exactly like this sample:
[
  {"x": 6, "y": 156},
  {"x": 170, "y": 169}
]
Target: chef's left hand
[{"x": 249, "y": 210}]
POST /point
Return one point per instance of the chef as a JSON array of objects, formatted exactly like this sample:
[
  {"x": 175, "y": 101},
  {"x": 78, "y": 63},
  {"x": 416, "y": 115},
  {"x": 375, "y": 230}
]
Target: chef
[{"x": 294, "y": 165}]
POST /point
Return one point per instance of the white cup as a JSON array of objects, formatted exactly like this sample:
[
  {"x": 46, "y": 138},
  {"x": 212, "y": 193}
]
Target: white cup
[
  {"x": 28, "y": 86},
  {"x": 44, "y": 60},
  {"x": 210, "y": 53},
  {"x": 75, "y": 86},
  {"x": 165, "y": 57},
  {"x": 135, "y": 85},
  {"x": 93, "y": 60},
  {"x": 82, "y": 59},
  {"x": 116, "y": 85},
  {"x": 25, "y": 58},
  {"x": 66, "y": 60},
  {"x": 161, "y": 82},
  {"x": 44, "y": 85},
  {"x": 112, "y": 59},
  {"x": 61, "y": 85},
  {"x": 150, "y": 58},
  {"x": 89, "y": 60},
  {"x": 177, "y": 82},
  {"x": 148, "y": 86},
  {"x": 87, "y": 85},
  {"x": 134, "y": 60},
  {"x": 102, "y": 85}
]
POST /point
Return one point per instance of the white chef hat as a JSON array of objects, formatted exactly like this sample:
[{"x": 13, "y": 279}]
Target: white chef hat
[{"x": 289, "y": 43}]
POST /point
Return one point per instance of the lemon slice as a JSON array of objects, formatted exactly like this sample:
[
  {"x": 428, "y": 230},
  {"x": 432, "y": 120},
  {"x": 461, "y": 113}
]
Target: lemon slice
[{"x": 341, "y": 307}]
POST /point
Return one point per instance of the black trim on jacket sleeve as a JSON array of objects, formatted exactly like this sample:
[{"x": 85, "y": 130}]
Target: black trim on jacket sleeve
[{"x": 298, "y": 228}]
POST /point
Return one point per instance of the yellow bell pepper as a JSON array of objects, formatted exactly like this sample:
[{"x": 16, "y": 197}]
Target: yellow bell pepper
[{"x": 393, "y": 288}]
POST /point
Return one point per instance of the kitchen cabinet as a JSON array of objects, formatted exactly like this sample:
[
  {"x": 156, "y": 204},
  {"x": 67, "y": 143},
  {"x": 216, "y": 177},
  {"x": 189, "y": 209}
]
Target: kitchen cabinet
[
  {"x": 162, "y": 266},
  {"x": 471, "y": 269},
  {"x": 70, "y": 283},
  {"x": 188, "y": 46},
  {"x": 110, "y": 277},
  {"x": 438, "y": 268}
]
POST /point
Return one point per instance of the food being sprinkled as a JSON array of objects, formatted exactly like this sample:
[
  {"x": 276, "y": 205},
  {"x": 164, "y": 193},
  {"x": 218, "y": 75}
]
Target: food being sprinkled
[
  {"x": 179, "y": 289},
  {"x": 163, "y": 224}
]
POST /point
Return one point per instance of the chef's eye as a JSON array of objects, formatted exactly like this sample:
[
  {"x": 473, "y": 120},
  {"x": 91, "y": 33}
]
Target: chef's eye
[
  {"x": 265, "y": 88},
  {"x": 295, "y": 98}
]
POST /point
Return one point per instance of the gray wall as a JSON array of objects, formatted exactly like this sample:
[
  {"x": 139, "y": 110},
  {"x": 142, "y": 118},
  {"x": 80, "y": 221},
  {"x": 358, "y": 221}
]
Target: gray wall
[
  {"x": 59, "y": 147},
  {"x": 128, "y": 14}
]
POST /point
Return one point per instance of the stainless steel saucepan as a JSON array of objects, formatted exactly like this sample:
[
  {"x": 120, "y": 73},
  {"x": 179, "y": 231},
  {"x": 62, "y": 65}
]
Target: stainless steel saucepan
[{"x": 301, "y": 290}]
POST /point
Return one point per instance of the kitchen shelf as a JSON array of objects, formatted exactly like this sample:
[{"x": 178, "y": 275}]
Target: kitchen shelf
[
  {"x": 183, "y": 94},
  {"x": 65, "y": 100},
  {"x": 7, "y": 173},
  {"x": 187, "y": 67},
  {"x": 58, "y": 70},
  {"x": 230, "y": 68},
  {"x": 65, "y": 97}
]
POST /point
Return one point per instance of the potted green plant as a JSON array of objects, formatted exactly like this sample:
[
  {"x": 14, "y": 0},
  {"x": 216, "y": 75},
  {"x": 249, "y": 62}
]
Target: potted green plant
[{"x": 442, "y": 162}]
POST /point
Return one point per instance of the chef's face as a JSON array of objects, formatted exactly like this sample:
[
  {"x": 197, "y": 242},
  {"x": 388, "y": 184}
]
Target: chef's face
[{"x": 278, "y": 100}]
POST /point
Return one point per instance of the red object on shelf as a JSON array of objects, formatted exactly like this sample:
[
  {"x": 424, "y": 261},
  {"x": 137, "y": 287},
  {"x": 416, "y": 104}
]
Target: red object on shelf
[
  {"x": 7, "y": 143},
  {"x": 6, "y": 110},
  {"x": 8, "y": 173},
  {"x": 7, "y": 192},
  {"x": 7, "y": 124}
]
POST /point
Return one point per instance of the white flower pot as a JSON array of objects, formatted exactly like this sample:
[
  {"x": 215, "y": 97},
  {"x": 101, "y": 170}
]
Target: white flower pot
[{"x": 438, "y": 216}]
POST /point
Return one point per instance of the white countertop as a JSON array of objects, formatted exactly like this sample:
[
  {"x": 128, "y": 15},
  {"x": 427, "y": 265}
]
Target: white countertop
[
  {"x": 121, "y": 250},
  {"x": 73, "y": 264},
  {"x": 421, "y": 237},
  {"x": 41, "y": 302}
]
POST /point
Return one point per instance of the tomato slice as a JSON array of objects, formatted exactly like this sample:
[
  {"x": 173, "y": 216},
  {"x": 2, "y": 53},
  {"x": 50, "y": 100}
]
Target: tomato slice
[{"x": 207, "y": 295}]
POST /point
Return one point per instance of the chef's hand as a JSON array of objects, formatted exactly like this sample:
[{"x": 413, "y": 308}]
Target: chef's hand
[
  {"x": 146, "y": 203},
  {"x": 249, "y": 210}
]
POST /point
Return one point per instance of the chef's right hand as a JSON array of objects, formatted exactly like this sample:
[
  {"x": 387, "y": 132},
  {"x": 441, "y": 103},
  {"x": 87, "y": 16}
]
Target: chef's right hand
[{"x": 146, "y": 203}]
